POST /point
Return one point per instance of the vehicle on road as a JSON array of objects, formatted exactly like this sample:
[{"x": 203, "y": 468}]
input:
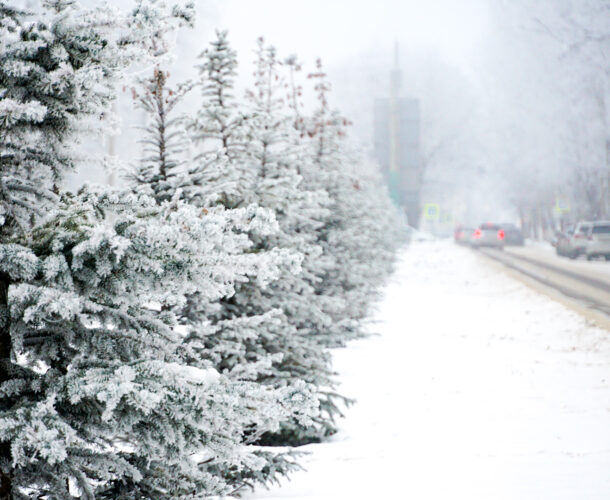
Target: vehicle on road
[
  {"x": 572, "y": 242},
  {"x": 562, "y": 242},
  {"x": 488, "y": 235},
  {"x": 512, "y": 235},
  {"x": 578, "y": 240},
  {"x": 463, "y": 235},
  {"x": 598, "y": 240}
]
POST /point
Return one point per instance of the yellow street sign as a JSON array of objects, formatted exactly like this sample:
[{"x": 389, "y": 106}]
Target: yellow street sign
[
  {"x": 561, "y": 206},
  {"x": 432, "y": 211}
]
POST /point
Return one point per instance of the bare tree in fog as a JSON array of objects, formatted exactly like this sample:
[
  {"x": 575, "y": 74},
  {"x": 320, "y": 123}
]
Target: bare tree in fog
[
  {"x": 583, "y": 29},
  {"x": 550, "y": 64}
]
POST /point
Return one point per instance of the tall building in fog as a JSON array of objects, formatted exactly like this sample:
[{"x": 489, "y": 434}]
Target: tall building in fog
[{"x": 397, "y": 147}]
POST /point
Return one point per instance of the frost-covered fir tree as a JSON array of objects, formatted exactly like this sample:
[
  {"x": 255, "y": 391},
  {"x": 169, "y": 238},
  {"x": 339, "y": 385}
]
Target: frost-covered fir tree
[
  {"x": 108, "y": 407},
  {"x": 321, "y": 178},
  {"x": 329, "y": 167},
  {"x": 160, "y": 171},
  {"x": 222, "y": 177},
  {"x": 46, "y": 85},
  {"x": 294, "y": 94},
  {"x": 161, "y": 174},
  {"x": 286, "y": 309},
  {"x": 361, "y": 235},
  {"x": 95, "y": 398},
  {"x": 220, "y": 174},
  {"x": 150, "y": 27},
  {"x": 47, "y": 72},
  {"x": 243, "y": 334},
  {"x": 56, "y": 73}
]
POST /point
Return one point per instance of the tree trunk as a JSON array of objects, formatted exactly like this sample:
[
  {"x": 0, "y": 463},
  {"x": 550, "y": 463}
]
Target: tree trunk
[
  {"x": 6, "y": 485},
  {"x": 5, "y": 362},
  {"x": 5, "y": 336}
]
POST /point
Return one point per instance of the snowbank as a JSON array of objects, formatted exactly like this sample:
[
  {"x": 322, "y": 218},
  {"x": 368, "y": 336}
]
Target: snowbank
[{"x": 477, "y": 388}]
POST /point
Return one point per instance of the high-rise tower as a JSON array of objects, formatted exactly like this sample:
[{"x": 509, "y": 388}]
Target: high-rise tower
[{"x": 397, "y": 129}]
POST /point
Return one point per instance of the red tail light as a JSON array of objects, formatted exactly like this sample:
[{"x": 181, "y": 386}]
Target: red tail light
[
  {"x": 501, "y": 234},
  {"x": 477, "y": 234}
]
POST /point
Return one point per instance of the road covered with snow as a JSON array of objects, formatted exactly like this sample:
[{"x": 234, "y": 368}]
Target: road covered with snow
[
  {"x": 545, "y": 252},
  {"x": 476, "y": 388}
]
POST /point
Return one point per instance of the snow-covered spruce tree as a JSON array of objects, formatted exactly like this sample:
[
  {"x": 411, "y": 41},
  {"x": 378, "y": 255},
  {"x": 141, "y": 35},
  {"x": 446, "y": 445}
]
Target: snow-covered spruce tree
[
  {"x": 238, "y": 335},
  {"x": 295, "y": 93},
  {"x": 162, "y": 174},
  {"x": 160, "y": 171},
  {"x": 220, "y": 174},
  {"x": 150, "y": 26},
  {"x": 248, "y": 332},
  {"x": 108, "y": 407},
  {"x": 52, "y": 75},
  {"x": 56, "y": 72},
  {"x": 362, "y": 233},
  {"x": 93, "y": 402},
  {"x": 46, "y": 85},
  {"x": 272, "y": 158},
  {"x": 319, "y": 177},
  {"x": 367, "y": 239}
]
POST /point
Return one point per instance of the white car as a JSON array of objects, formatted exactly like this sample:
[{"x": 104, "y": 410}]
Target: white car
[
  {"x": 598, "y": 240},
  {"x": 579, "y": 239},
  {"x": 488, "y": 235}
]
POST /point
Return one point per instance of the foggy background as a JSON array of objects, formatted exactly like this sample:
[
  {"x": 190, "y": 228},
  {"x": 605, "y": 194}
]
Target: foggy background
[{"x": 513, "y": 95}]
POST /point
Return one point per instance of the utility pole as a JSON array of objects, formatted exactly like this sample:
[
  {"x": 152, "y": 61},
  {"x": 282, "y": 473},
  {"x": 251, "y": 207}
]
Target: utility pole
[
  {"x": 394, "y": 123},
  {"x": 602, "y": 177}
]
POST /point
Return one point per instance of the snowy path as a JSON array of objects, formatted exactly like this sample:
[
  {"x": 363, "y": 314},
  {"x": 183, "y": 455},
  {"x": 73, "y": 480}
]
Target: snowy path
[{"x": 477, "y": 389}]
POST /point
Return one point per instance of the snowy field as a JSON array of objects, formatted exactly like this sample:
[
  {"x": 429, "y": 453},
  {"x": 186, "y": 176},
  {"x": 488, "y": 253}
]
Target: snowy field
[{"x": 477, "y": 388}]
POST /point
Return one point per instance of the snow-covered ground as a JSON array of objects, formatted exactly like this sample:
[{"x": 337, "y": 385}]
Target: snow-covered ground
[{"x": 477, "y": 388}]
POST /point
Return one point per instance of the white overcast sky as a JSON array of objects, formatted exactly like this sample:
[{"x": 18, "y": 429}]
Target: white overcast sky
[
  {"x": 354, "y": 38},
  {"x": 340, "y": 30}
]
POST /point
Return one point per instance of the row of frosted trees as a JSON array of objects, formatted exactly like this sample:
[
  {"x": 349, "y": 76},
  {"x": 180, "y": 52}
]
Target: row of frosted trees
[{"x": 156, "y": 339}]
